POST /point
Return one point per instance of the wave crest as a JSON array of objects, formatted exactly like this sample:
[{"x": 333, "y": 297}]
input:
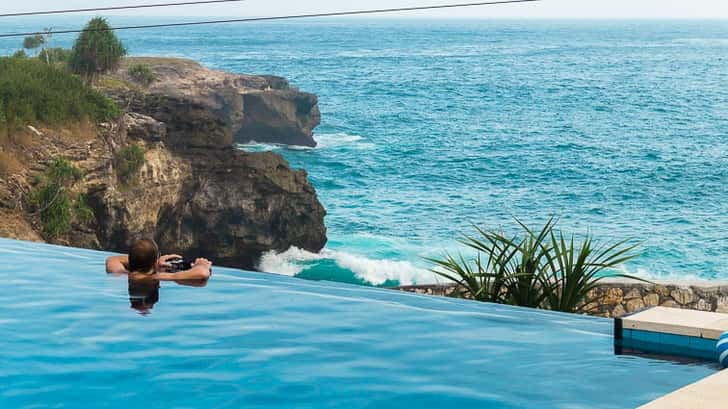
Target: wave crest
[{"x": 374, "y": 271}]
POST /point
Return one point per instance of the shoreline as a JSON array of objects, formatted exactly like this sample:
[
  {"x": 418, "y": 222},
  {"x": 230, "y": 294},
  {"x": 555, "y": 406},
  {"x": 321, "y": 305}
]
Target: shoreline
[{"x": 618, "y": 297}]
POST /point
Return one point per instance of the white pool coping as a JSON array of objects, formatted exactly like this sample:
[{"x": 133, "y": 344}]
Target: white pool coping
[
  {"x": 700, "y": 324},
  {"x": 709, "y": 393}
]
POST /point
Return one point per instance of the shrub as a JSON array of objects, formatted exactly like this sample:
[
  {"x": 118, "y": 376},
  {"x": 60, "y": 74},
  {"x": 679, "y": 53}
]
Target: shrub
[
  {"x": 31, "y": 91},
  {"x": 33, "y": 42},
  {"x": 540, "y": 269},
  {"x": 97, "y": 50},
  {"x": 20, "y": 54},
  {"x": 81, "y": 210},
  {"x": 55, "y": 55},
  {"x": 129, "y": 161},
  {"x": 142, "y": 74},
  {"x": 52, "y": 198}
]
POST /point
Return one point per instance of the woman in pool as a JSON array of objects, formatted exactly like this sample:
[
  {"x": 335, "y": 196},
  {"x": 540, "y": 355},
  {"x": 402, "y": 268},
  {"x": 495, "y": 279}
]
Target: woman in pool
[{"x": 145, "y": 262}]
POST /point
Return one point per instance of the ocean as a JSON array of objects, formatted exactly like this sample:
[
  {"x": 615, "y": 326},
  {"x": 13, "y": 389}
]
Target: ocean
[{"x": 432, "y": 127}]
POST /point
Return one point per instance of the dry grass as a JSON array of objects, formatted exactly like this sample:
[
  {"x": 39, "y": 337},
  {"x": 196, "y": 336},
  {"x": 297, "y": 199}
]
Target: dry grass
[
  {"x": 82, "y": 131},
  {"x": 9, "y": 164}
]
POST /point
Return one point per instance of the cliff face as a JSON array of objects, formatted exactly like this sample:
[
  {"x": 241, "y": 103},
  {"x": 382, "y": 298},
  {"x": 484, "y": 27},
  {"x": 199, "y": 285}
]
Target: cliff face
[
  {"x": 195, "y": 194},
  {"x": 203, "y": 107}
]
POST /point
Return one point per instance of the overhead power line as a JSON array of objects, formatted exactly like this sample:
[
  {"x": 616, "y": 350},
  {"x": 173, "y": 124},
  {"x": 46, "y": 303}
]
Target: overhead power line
[
  {"x": 136, "y": 6},
  {"x": 289, "y": 17}
]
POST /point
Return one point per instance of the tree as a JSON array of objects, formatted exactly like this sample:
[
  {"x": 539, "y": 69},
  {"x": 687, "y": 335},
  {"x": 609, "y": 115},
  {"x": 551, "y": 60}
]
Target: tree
[
  {"x": 33, "y": 42},
  {"x": 97, "y": 50}
]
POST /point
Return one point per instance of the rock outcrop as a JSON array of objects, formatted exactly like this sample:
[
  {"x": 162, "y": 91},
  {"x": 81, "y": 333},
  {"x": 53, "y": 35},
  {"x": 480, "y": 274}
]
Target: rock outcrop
[
  {"x": 195, "y": 193},
  {"x": 223, "y": 108}
]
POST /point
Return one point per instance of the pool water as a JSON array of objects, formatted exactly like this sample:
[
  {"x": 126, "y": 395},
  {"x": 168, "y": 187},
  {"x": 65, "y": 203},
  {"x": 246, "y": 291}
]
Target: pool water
[{"x": 70, "y": 338}]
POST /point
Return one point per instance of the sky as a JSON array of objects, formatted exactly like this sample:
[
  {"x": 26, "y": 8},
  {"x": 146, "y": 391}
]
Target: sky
[{"x": 578, "y": 9}]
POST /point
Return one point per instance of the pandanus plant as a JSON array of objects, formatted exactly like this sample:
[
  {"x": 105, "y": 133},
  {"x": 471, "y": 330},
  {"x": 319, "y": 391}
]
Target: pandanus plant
[{"x": 540, "y": 269}]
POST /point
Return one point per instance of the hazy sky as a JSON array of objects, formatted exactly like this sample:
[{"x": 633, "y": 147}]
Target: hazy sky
[{"x": 544, "y": 9}]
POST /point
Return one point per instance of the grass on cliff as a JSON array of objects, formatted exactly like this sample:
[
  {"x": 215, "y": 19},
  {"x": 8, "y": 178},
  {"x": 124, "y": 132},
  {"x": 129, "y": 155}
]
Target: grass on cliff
[
  {"x": 32, "y": 91},
  {"x": 536, "y": 268},
  {"x": 142, "y": 74},
  {"x": 128, "y": 162},
  {"x": 54, "y": 200}
]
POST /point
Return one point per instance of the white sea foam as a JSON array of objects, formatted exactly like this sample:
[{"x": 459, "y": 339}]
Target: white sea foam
[
  {"x": 374, "y": 271},
  {"x": 289, "y": 262},
  {"x": 330, "y": 140},
  {"x": 661, "y": 276},
  {"x": 704, "y": 41}
]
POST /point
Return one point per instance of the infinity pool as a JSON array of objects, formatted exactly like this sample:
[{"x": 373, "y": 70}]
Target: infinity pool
[{"x": 70, "y": 338}]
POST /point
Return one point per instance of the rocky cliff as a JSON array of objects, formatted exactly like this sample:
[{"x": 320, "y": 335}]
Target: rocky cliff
[
  {"x": 194, "y": 193},
  {"x": 203, "y": 107}
]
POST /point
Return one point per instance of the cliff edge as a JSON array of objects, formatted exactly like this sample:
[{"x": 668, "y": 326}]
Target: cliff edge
[
  {"x": 194, "y": 192},
  {"x": 225, "y": 108}
]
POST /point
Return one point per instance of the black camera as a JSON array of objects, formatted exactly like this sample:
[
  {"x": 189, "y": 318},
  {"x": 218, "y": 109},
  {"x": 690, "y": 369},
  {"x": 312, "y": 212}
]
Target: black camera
[{"x": 178, "y": 265}]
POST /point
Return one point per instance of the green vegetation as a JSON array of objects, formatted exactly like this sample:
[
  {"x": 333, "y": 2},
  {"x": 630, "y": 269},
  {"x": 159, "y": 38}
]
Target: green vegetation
[
  {"x": 142, "y": 74},
  {"x": 543, "y": 269},
  {"x": 53, "y": 199},
  {"x": 32, "y": 91},
  {"x": 20, "y": 54},
  {"x": 96, "y": 50},
  {"x": 128, "y": 162},
  {"x": 55, "y": 55},
  {"x": 33, "y": 42},
  {"x": 81, "y": 210}
]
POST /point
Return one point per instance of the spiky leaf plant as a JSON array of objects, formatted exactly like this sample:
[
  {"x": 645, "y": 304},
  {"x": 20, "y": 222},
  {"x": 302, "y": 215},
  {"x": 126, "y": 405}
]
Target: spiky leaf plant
[
  {"x": 538, "y": 270},
  {"x": 577, "y": 269}
]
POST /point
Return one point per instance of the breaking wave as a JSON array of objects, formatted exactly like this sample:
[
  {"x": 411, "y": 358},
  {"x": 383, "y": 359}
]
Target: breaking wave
[{"x": 295, "y": 262}]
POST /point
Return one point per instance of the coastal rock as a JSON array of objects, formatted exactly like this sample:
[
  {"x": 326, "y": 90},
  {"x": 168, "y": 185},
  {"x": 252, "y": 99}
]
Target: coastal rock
[
  {"x": 618, "y": 311},
  {"x": 635, "y": 305},
  {"x": 722, "y": 304},
  {"x": 195, "y": 193},
  {"x": 144, "y": 127},
  {"x": 651, "y": 300},
  {"x": 633, "y": 293},
  {"x": 662, "y": 290},
  {"x": 224, "y": 204},
  {"x": 203, "y": 107},
  {"x": 670, "y": 304},
  {"x": 683, "y": 296},
  {"x": 613, "y": 296}
]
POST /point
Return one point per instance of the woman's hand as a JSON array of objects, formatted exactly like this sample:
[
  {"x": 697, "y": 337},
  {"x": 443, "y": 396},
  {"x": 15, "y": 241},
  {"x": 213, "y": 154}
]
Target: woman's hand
[
  {"x": 202, "y": 262},
  {"x": 163, "y": 262}
]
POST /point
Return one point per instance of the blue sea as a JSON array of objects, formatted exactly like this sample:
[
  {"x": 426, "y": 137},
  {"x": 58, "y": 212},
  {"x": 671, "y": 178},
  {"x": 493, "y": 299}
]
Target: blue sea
[{"x": 619, "y": 128}]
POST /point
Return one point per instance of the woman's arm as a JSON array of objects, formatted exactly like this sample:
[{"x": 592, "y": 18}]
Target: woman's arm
[{"x": 117, "y": 265}]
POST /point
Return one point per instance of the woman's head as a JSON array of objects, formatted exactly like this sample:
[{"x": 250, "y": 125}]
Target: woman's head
[{"x": 143, "y": 256}]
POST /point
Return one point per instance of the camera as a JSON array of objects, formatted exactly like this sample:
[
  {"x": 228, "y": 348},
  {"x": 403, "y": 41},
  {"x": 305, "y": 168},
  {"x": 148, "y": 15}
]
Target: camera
[{"x": 178, "y": 265}]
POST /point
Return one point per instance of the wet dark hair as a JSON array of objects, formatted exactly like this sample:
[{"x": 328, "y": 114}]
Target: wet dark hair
[
  {"x": 143, "y": 295},
  {"x": 143, "y": 255}
]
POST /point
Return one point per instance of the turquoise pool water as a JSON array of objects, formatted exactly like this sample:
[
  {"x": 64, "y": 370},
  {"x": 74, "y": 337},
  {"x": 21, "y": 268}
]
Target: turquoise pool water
[{"x": 69, "y": 338}]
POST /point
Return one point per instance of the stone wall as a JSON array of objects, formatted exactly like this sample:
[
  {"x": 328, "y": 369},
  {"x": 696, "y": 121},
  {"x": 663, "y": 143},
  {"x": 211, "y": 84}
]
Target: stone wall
[{"x": 615, "y": 298}]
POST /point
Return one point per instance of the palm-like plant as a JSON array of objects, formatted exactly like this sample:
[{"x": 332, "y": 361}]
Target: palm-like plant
[
  {"x": 538, "y": 270},
  {"x": 576, "y": 270}
]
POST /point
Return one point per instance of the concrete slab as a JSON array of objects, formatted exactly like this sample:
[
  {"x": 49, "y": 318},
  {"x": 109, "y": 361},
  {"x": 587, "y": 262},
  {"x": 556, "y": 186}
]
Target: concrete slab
[
  {"x": 708, "y": 393},
  {"x": 699, "y": 324}
]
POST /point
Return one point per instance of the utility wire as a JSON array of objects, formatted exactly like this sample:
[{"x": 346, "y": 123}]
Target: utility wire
[
  {"x": 289, "y": 17},
  {"x": 137, "y": 6}
]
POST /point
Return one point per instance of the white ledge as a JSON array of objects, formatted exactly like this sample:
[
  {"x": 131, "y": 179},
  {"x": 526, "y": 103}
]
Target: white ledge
[
  {"x": 700, "y": 324},
  {"x": 709, "y": 393}
]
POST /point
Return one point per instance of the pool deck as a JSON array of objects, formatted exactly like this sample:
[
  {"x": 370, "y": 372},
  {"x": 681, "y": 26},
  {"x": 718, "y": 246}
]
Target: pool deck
[
  {"x": 663, "y": 320},
  {"x": 709, "y": 393},
  {"x": 681, "y": 330}
]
